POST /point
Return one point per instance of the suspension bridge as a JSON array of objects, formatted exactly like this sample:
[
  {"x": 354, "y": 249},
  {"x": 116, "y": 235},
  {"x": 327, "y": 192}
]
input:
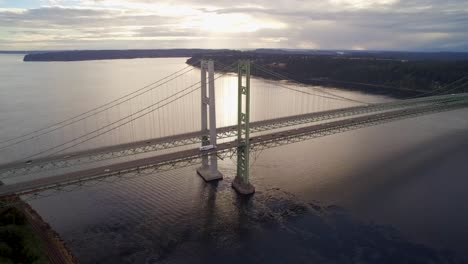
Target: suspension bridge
[{"x": 175, "y": 122}]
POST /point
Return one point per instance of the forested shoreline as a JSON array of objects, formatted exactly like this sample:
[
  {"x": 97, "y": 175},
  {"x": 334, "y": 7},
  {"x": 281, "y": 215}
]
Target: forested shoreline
[
  {"x": 400, "y": 73},
  {"x": 351, "y": 72}
]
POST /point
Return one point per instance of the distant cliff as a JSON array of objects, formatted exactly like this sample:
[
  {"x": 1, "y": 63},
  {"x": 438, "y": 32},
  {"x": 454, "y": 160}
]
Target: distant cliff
[{"x": 82, "y": 55}]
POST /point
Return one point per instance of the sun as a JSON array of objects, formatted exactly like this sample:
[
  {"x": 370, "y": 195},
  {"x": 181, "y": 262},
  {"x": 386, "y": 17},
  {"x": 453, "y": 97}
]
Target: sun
[
  {"x": 232, "y": 23},
  {"x": 363, "y": 3}
]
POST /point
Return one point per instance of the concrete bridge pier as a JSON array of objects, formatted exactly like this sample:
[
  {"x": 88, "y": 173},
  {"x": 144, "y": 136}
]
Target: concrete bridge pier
[{"x": 209, "y": 169}]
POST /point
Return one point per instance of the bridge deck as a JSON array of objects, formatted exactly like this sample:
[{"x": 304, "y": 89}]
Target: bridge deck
[
  {"x": 151, "y": 145},
  {"x": 139, "y": 164}
]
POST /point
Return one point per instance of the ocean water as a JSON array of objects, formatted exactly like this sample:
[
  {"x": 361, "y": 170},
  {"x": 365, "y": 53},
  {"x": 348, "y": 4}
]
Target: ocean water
[{"x": 392, "y": 193}]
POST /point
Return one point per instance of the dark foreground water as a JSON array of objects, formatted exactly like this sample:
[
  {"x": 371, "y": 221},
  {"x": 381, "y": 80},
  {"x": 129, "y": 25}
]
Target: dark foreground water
[{"x": 394, "y": 193}]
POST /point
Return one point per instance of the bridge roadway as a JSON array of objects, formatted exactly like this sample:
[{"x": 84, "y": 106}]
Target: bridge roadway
[
  {"x": 151, "y": 145},
  {"x": 263, "y": 141}
]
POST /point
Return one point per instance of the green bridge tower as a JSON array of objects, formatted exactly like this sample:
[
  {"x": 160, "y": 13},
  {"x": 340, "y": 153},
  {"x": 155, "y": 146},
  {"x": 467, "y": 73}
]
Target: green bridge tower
[{"x": 241, "y": 183}]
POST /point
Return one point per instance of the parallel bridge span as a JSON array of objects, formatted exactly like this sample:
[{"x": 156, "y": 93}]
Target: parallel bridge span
[
  {"x": 54, "y": 172},
  {"x": 158, "y": 144},
  {"x": 188, "y": 157}
]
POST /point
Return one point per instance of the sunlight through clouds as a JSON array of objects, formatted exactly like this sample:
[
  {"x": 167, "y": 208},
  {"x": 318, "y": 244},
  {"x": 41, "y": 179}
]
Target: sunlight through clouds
[
  {"x": 363, "y": 3},
  {"x": 231, "y": 23},
  {"x": 331, "y": 24}
]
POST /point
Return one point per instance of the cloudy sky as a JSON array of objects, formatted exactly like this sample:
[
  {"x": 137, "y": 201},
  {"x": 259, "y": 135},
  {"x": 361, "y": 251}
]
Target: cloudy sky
[{"x": 429, "y": 25}]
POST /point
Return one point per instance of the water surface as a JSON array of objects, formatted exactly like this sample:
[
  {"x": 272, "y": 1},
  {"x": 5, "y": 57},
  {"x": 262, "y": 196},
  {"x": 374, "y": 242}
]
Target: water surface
[{"x": 392, "y": 193}]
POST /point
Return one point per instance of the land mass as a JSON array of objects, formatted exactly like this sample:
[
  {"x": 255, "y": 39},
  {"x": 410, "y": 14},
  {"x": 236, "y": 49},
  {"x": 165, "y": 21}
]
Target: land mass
[
  {"x": 26, "y": 238},
  {"x": 404, "y": 73},
  {"x": 378, "y": 73},
  {"x": 18, "y": 242},
  {"x": 83, "y": 55}
]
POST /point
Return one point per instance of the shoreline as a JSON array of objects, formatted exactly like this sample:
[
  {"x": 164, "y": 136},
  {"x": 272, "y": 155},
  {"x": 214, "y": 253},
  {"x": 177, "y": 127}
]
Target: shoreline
[
  {"x": 374, "y": 89},
  {"x": 93, "y": 55},
  {"x": 57, "y": 250}
]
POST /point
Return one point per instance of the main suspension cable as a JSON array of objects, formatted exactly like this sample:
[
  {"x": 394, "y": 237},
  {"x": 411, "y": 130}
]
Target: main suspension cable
[
  {"x": 120, "y": 120},
  {"x": 89, "y": 113}
]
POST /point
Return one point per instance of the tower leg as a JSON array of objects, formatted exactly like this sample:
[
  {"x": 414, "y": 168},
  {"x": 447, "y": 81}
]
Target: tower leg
[
  {"x": 241, "y": 183},
  {"x": 209, "y": 169},
  {"x": 204, "y": 109}
]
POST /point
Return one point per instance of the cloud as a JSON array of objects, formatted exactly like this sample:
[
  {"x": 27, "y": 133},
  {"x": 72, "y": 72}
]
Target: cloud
[{"x": 332, "y": 24}]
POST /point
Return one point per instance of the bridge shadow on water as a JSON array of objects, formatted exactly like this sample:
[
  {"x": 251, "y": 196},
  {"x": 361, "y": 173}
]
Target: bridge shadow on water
[{"x": 271, "y": 227}]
